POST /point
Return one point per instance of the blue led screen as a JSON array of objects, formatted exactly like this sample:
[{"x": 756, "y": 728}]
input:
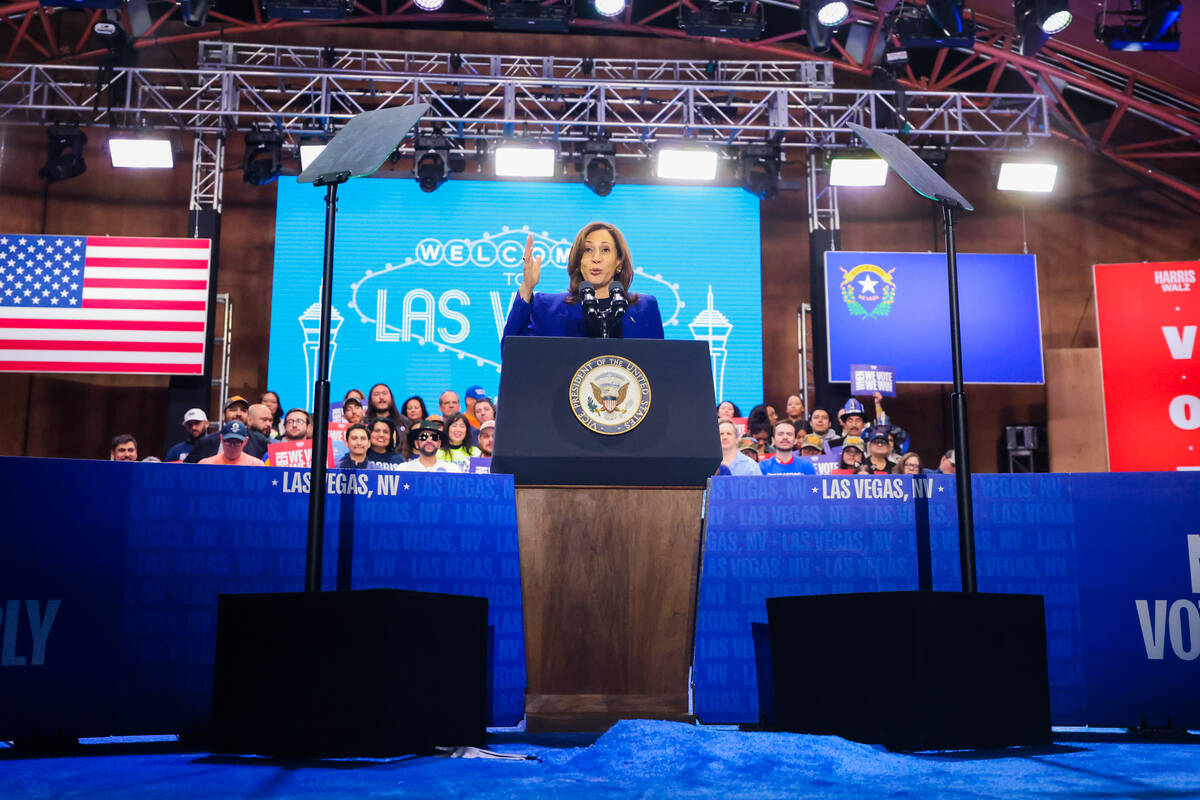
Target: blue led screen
[{"x": 423, "y": 281}]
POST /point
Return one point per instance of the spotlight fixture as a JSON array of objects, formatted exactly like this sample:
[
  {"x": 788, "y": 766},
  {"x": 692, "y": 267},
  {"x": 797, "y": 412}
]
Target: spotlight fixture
[
  {"x": 760, "y": 165},
  {"x": 517, "y": 159},
  {"x": 686, "y": 163},
  {"x": 307, "y": 9},
  {"x": 429, "y": 5},
  {"x": 857, "y": 168},
  {"x": 1145, "y": 25},
  {"x": 194, "y": 12},
  {"x": 433, "y": 161},
  {"x": 830, "y": 13},
  {"x": 64, "y": 157},
  {"x": 937, "y": 24},
  {"x": 260, "y": 163},
  {"x": 147, "y": 151},
  {"x": 1038, "y": 20},
  {"x": 1026, "y": 176},
  {"x": 724, "y": 20},
  {"x": 609, "y": 8},
  {"x": 598, "y": 165},
  {"x": 820, "y": 36},
  {"x": 530, "y": 15}
]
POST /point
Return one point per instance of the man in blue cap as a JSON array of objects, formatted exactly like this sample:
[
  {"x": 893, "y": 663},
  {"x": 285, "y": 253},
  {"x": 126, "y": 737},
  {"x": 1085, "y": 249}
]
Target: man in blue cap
[
  {"x": 233, "y": 443},
  {"x": 472, "y": 394}
]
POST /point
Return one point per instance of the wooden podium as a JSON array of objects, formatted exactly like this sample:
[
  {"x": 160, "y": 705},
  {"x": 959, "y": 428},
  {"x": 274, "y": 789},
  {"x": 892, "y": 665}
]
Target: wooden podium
[
  {"x": 610, "y": 606},
  {"x": 609, "y": 530}
]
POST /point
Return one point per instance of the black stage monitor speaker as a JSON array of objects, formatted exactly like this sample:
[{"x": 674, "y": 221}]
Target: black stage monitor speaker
[
  {"x": 913, "y": 670},
  {"x": 379, "y": 672}
]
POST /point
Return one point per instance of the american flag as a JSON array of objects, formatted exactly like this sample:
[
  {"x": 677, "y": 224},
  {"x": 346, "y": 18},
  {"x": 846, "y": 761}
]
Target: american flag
[{"x": 102, "y": 304}]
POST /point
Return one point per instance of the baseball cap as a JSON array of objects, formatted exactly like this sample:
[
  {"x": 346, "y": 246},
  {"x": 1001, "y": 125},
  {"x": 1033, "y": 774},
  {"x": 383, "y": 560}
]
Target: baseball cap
[
  {"x": 950, "y": 456},
  {"x": 854, "y": 441},
  {"x": 877, "y": 432},
  {"x": 475, "y": 392},
  {"x": 812, "y": 440},
  {"x": 486, "y": 424},
  {"x": 234, "y": 429},
  {"x": 352, "y": 400},
  {"x": 237, "y": 398},
  {"x": 195, "y": 415}
]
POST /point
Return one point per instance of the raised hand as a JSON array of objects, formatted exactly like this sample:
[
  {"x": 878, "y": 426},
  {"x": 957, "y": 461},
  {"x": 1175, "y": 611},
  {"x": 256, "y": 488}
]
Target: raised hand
[{"x": 532, "y": 271}]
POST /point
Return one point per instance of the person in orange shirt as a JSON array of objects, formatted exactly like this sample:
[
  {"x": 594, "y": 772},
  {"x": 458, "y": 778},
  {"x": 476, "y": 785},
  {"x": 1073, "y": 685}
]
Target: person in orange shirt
[{"x": 233, "y": 441}]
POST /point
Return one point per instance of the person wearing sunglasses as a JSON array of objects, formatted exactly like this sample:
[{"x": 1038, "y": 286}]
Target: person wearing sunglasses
[{"x": 425, "y": 441}]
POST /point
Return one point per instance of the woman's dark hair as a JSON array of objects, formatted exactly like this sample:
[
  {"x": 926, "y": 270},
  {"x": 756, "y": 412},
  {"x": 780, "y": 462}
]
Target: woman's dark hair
[
  {"x": 450, "y": 420},
  {"x": 575, "y": 259},
  {"x": 361, "y": 397},
  {"x": 404, "y": 406},
  {"x": 759, "y": 414},
  {"x": 737, "y": 412},
  {"x": 278, "y": 416},
  {"x": 391, "y": 448}
]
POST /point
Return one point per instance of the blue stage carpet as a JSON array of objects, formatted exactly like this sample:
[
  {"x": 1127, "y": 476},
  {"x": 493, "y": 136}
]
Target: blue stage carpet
[{"x": 642, "y": 759}]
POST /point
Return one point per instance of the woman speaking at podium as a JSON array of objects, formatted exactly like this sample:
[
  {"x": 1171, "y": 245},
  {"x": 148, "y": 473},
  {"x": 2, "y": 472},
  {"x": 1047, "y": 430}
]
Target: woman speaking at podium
[{"x": 596, "y": 302}]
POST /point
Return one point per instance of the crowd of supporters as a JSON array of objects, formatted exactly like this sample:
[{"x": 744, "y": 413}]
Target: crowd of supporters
[
  {"x": 765, "y": 443},
  {"x": 380, "y": 433}
]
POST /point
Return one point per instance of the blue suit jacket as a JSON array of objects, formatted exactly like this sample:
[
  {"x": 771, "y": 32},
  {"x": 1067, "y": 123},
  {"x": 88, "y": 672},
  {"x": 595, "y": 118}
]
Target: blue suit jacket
[{"x": 552, "y": 315}]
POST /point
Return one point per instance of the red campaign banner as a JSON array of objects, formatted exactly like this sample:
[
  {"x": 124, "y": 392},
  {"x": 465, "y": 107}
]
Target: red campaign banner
[
  {"x": 295, "y": 454},
  {"x": 337, "y": 431},
  {"x": 1147, "y": 315}
]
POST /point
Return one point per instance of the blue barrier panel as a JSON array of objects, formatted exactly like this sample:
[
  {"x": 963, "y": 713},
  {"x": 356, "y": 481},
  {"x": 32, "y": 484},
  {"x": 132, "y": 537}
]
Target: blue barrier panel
[
  {"x": 829, "y": 535},
  {"x": 113, "y": 594},
  {"x": 1139, "y": 565}
]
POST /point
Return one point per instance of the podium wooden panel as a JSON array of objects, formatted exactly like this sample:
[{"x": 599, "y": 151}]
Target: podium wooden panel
[{"x": 608, "y": 581}]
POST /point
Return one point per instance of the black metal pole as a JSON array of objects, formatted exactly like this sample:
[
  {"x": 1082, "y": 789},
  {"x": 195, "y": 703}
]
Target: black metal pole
[
  {"x": 958, "y": 416},
  {"x": 320, "y": 409}
]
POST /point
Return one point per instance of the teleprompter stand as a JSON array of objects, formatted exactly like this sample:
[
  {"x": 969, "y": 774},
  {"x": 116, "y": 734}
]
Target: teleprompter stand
[
  {"x": 369, "y": 673},
  {"x": 917, "y": 670},
  {"x": 609, "y": 529}
]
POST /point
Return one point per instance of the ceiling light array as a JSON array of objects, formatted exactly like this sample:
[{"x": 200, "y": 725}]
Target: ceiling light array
[
  {"x": 758, "y": 165},
  {"x": 1038, "y": 20}
]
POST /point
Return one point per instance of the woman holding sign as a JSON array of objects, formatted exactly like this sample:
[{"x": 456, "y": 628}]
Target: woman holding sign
[{"x": 597, "y": 302}]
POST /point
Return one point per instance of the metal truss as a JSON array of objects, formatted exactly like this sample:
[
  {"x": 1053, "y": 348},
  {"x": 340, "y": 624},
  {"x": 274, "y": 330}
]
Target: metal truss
[
  {"x": 208, "y": 158},
  {"x": 823, "y": 213},
  {"x": 632, "y": 113},
  {"x": 1149, "y": 126}
]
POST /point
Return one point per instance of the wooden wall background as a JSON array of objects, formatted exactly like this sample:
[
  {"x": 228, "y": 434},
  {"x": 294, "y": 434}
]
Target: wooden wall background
[{"x": 1097, "y": 213}]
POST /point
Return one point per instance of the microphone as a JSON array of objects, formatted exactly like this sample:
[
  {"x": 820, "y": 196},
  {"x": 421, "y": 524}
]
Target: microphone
[
  {"x": 620, "y": 303},
  {"x": 591, "y": 306}
]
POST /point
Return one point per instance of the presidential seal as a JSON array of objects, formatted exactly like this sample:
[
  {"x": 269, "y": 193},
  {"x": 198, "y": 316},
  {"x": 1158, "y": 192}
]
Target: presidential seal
[
  {"x": 610, "y": 395},
  {"x": 868, "y": 291}
]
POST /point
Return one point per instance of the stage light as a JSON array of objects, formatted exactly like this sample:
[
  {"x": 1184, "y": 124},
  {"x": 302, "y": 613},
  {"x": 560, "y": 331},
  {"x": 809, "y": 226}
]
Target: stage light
[
  {"x": 610, "y": 8},
  {"x": 141, "y": 152},
  {"x": 760, "y": 165},
  {"x": 938, "y": 24},
  {"x": 1152, "y": 25},
  {"x": 691, "y": 163},
  {"x": 520, "y": 160},
  {"x": 857, "y": 168},
  {"x": 309, "y": 153},
  {"x": 831, "y": 13},
  {"x": 598, "y": 165},
  {"x": 530, "y": 15},
  {"x": 307, "y": 9},
  {"x": 433, "y": 161},
  {"x": 194, "y": 12},
  {"x": 1026, "y": 176},
  {"x": 260, "y": 163},
  {"x": 429, "y": 5},
  {"x": 1037, "y": 20},
  {"x": 719, "y": 21},
  {"x": 1053, "y": 16},
  {"x": 64, "y": 157}
]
